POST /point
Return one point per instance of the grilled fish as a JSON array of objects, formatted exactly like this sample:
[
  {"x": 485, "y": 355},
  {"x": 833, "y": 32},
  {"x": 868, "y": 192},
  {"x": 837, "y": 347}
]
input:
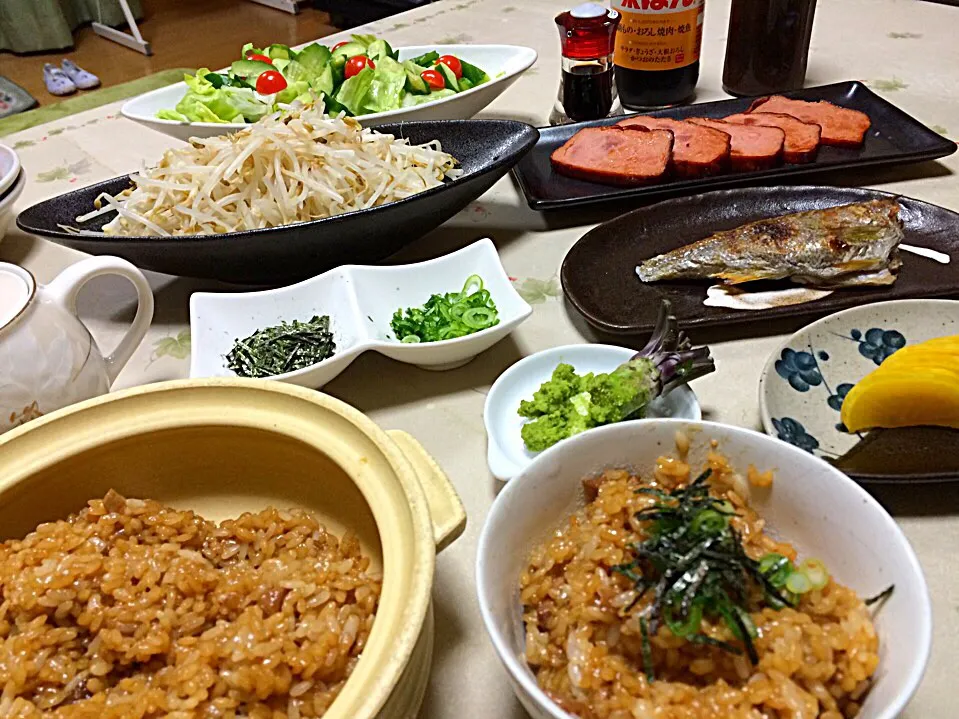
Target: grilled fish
[{"x": 841, "y": 246}]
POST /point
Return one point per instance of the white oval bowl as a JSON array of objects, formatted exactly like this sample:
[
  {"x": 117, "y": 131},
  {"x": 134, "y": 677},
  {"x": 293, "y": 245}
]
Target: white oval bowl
[
  {"x": 811, "y": 505},
  {"x": 360, "y": 301},
  {"x": 503, "y": 63},
  {"x": 9, "y": 167},
  {"x": 8, "y": 199},
  {"x": 506, "y": 454}
]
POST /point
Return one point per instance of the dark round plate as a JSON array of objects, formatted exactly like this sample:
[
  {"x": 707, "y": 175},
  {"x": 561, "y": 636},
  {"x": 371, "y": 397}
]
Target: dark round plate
[
  {"x": 599, "y": 272},
  {"x": 486, "y": 150}
]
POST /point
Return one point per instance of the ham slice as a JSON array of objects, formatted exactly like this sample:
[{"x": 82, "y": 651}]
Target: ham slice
[
  {"x": 751, "y": 148},
  {"x": 802, "y": 138},
  {"x": 840, "y": 125},
  {"x": 697, "y": 150},
  {"x": 615, "y": 156}
]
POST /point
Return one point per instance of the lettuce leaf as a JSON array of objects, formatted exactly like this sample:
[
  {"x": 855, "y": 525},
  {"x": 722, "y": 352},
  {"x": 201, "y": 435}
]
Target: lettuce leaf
[
  {"x": 389, "y": 79},
  {"x": 205, "y": 103},
  {"x": 352, "y": 93}
]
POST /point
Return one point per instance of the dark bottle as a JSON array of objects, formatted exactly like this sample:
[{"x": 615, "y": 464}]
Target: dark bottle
[
  {"x": 657, "y": 51},
  {"x": 586, "y": 35},
  {"x": 767, "y": 46}
]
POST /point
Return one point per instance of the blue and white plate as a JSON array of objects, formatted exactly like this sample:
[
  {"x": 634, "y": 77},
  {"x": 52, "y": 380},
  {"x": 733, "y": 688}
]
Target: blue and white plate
[{"x": 806, "y": 379}]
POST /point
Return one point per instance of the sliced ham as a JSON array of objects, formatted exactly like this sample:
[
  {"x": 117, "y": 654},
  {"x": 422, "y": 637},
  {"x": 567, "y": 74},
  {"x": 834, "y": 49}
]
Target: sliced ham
[
  {"x": 697, "y": 150},
  {"x": 752, "y": 147},
  {"x": 615, "y": 156},
  {"x": 802, "y": 138},
  {"x": 840, "y": 125}
]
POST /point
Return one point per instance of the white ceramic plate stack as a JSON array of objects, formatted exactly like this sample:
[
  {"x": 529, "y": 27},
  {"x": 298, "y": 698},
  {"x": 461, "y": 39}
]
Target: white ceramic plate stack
[
  {"x": 12, "y": 182},
  {"x": 360, "y": 301},
  {"x": 503, "y": 63}
]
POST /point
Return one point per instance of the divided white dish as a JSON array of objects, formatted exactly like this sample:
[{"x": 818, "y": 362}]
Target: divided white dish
[
  {"x": 506, "y": 454},
  {"x": 811, "y": 504},
  {"x": 360, "y": 301},
  {"x": 503, "y": 63}
]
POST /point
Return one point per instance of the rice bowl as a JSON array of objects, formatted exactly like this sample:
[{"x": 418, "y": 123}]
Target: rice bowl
[{"x": 810, "y": 505}]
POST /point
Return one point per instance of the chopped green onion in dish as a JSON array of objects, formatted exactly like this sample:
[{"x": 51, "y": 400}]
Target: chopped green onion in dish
[
  {"x": 285, "y": 347},
  {"x": 446, "y": 317}
]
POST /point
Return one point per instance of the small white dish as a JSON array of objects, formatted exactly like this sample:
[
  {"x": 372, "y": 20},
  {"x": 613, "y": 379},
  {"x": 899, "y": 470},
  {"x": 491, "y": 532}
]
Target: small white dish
[
  {"x": 9, "y": 167},
  {"x": 805, "y": 380},
  {"x": 503, "y": 63},
  {"x": 811, "y": 505},
  {"x": 8, "y": 199},
  {"x": 506, "y": 454},
  {"x": 360, "y": 301}
]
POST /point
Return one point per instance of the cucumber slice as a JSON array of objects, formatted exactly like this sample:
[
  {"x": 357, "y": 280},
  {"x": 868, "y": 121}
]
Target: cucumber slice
[
  {"x": 414, "y": 82},
  {"x": 426, "y": 60},
  {"x": 474, "y": 74},
  {"x": 349, "y": 50},
  {"x": 282, "y": 52},
  {"x": 465, "y": 84},
  {"x": 449, "y": 76},
  {"x": 249, "y": 69}
]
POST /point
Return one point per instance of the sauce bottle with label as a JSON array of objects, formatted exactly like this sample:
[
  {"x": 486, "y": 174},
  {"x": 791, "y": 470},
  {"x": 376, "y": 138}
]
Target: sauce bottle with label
[
  {"x": 657, "y": 51},
  {"x": 767, "y": 46}
]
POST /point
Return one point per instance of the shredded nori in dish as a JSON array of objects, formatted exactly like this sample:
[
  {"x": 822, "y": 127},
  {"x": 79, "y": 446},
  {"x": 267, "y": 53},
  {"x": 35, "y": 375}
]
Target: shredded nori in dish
[
  {"x": 695, "y": 565},
  {"x": 283, "y": 348}
]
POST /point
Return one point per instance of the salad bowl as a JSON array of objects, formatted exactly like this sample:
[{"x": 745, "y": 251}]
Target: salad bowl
[
  {"x": 503, "y": 63},
  {"x": 360, "y": 302}
]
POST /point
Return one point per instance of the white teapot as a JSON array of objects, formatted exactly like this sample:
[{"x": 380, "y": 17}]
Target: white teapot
[{"x": 48, "y": 359}]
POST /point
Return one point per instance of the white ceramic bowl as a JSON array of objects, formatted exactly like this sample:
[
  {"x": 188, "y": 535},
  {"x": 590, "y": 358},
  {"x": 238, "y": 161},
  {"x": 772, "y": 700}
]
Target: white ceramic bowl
[
  {"x": 9, "y": 167},
  {"x": 8, "y": 199},
  {"x": 360, "y": 301},
  {"x": 506, "y": 454},
  {"x": 503, "y": 63},
  {"x": 813, "y": 506}
]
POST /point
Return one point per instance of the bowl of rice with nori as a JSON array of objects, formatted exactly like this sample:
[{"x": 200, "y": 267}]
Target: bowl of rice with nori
[
  {"x": 672, "y": 570},
  {"x": 212, "y": 548}
]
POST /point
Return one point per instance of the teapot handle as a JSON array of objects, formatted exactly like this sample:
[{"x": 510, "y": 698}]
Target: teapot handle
[{"x": 65, "y": 287}]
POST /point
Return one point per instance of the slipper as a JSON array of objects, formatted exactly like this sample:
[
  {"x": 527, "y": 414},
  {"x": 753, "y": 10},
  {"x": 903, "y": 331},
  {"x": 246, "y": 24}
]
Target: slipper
[
  {"x": 80, "y": 77},
  {"x": 57, "y": 81}
]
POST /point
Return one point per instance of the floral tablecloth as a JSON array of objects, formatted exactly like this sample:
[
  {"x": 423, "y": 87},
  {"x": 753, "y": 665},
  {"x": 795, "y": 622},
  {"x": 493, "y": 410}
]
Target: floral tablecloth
[{"x": 904, "y": 49}]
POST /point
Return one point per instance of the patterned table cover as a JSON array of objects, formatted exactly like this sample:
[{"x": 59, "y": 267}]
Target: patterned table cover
[{"x": 904, "y": 49}]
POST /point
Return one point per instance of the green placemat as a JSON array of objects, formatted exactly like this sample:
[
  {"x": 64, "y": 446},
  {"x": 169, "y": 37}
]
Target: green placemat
[{"x": 89, "y": 100}]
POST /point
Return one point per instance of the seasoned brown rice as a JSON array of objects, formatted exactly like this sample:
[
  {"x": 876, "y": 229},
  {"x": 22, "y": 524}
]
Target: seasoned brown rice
[
  {"x": 131, "y": 609},
  {"x": 816, "y": 660}
]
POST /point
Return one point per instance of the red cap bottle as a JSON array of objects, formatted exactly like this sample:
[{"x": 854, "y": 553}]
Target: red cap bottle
[{"x": 587, "y": 34}]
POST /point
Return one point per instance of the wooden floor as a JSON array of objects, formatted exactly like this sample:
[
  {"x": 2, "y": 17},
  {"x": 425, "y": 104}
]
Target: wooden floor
[{"x": 183, "y": 33}]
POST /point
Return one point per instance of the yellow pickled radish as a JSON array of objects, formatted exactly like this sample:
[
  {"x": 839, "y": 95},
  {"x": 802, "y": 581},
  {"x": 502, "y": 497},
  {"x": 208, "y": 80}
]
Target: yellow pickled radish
[
  {"x": 921, "y": 359},
  {"x": 894, "y": 398}
]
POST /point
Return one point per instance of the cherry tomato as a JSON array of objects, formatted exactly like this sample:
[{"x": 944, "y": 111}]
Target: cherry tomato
[
  {"x": 453, "y": 64},
  {"x": 341, "y": 44},
  {"x": 261, "y": 58},
  {"x": 356, "y": 64},
  {"x": 434, "y": 79},
  {"x": 269, "y": 82}
]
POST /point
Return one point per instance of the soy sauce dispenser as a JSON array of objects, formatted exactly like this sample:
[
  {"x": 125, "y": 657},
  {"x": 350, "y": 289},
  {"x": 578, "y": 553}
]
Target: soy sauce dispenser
[{"x": 587, "y": 92}]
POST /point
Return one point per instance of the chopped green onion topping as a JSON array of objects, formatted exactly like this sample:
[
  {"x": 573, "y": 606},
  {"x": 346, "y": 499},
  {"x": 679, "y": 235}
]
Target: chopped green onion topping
[{"x": 445, "y": 317}]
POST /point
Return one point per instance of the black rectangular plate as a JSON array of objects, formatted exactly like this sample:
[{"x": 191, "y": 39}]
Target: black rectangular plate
[{"x": 895, "y": 137}]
